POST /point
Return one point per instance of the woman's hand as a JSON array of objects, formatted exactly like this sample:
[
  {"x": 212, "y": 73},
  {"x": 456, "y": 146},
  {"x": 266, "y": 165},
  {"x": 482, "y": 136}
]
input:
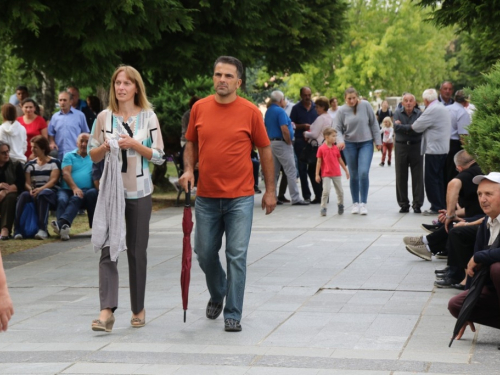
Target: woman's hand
[
  {"x": 126, "y": 142},
  {"x": 340, "y": 145}
]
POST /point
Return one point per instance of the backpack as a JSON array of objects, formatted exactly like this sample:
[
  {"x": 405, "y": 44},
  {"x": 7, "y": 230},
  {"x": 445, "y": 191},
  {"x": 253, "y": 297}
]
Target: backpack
[{"x": 29, "y": 221}]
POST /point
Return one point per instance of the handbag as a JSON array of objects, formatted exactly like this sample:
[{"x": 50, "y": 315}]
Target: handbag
[
  {"x": 29, "y": 221},
  {"x": 308, "y": 154}
]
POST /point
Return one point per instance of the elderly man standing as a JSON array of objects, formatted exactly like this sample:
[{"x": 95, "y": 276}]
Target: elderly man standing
[
  {"x": 65, "y": 126},
  {"x": 225, "y": 127},
  {"x": 278, "y": 129},
  {"x": 435, "y": 124},
  {"x": 81, "y": 105},
  {"x": 486, "y": 254},
  {"x": 77, "y": 190},
  {"x": 460, "y": 119},
  {"x": 303, "y": 115},
  {"x": 446, "y": 93},
  {"x": 407, "y": 154}
]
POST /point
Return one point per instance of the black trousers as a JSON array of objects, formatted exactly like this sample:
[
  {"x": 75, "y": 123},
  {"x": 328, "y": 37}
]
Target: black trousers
[
  {"x": 461, "y": 247},
  {"x": 408, "y": 157},
  {"x": 451, "y": 170},
  {"x": 434, "y": 180}
]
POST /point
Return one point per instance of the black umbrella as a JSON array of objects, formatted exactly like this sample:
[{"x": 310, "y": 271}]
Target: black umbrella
[{"x": 471, "y": 299}]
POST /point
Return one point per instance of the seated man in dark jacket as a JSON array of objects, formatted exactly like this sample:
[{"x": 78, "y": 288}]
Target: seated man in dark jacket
[
  {"x": 461, "y": 192},
  {"x": 486, "y": 254}
]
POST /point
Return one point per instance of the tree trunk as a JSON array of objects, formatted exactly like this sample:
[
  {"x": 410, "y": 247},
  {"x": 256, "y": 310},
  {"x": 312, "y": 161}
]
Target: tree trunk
[
  {"x": 48, "y": 94},
  {"x": 103, "y": 95}
]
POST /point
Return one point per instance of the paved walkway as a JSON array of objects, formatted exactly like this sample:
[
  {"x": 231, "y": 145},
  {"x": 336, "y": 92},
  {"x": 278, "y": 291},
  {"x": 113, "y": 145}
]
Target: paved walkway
[{"x": 325, "y": 295}]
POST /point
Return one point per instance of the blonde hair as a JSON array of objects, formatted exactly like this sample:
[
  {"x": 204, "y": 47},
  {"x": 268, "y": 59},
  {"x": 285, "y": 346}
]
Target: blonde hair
[
  {"x": 140, "y": 98},
  {"x": 388, "y": 119},
  {"x": 329, "y": 131}
]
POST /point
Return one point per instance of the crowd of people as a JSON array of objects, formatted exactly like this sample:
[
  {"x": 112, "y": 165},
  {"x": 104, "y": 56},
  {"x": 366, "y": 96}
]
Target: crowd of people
[{"x": 97, "y": 160}]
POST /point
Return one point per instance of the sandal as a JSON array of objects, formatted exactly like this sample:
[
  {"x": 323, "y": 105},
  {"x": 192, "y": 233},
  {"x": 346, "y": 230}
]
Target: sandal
[
  {"x": 106, "y": 326},
  {"x": 138, "y": 322}
]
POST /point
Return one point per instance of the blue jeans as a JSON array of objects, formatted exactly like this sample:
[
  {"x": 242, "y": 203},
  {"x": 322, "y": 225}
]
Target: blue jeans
[
  {"x": 68, "y": 204},
  {"x": 359, "y": 157},
  {"x": 214, "y": 217}
]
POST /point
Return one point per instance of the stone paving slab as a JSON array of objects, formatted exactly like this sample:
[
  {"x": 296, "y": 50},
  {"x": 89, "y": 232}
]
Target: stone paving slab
[{"x": 325, "y": 295}]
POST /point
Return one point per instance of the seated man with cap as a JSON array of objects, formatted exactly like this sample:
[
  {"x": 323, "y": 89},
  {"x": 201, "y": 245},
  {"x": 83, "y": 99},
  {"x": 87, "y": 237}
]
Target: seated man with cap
[{"x": 486, "y": 254}]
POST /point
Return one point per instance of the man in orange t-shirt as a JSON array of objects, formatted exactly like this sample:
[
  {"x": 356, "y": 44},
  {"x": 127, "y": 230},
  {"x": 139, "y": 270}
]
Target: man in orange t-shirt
[{"x": 222, "y": 129}]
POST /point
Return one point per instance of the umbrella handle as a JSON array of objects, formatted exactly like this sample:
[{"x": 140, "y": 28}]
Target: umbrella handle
[{"x": 188, "y": 195}]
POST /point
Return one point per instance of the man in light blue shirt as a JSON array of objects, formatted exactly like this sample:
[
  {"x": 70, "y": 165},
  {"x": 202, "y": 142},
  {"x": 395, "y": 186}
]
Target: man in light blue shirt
[
  {"x": 460, "y": 120},
  {"x": 65, "y": 126},
  {"x": 77, "y": 188}
]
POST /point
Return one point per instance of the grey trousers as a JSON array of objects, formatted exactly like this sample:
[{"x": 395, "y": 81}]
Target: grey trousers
[
  {"x": 408, "y": 156},
  {"x": 283, "y": 157},
  {"x": 337, "y": 183},
  {"x": 137, "y": 216}
]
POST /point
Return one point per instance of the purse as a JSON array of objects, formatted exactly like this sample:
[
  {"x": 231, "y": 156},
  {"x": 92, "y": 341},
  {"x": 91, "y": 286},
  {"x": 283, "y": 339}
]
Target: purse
[{"x": 308, "y": 154}]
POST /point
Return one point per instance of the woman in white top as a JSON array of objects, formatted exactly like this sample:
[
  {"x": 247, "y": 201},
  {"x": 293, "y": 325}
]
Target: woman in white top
[
  {"x": 315, "y": 132},
  {"x": 130, "y": 120},
  {"x": 13, "y": 133}
]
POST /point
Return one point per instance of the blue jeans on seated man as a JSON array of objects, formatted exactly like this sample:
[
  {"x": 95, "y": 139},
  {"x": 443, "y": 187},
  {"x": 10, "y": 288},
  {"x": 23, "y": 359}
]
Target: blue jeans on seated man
[
  {"x": 68, "y": 205},
  {"x": 214, "y": 218},
  {"x": 359, "y": 157}
]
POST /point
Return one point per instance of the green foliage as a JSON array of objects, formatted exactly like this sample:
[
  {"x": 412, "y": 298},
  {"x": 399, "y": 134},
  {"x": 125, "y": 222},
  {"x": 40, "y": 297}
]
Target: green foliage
[
  {"x": 170, "y": 103},
  {"x": 13, "y": 73},
  {"x": 167, "y": 40},
  {"x": 387, "y": 45},
  {"x": 477, "y": 21},
  {"x": 484, "y": 131}
]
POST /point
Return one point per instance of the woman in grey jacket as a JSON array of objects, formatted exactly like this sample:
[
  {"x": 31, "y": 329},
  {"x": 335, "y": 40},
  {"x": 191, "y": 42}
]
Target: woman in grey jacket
[{"x": 357, "y": 129}]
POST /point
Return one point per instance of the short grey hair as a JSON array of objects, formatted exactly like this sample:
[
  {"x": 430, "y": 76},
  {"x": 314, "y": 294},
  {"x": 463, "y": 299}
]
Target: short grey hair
[
  {"x": 409, "y": 94},
  {"x": 3, "y": 143},
  {"x": 430, "y": 95},
  {"x": 67, "y": 92},
  {"x": 462, "y": 158},
  {"x": 277, "y": 96}
]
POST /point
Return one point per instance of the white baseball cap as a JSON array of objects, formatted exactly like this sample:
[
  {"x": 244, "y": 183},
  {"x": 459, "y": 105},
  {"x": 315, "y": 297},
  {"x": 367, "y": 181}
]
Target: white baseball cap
[{"x": 492, "y": 176}]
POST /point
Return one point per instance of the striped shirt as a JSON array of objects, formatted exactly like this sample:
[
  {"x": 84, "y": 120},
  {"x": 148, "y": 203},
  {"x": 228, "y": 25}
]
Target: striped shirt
[{"x": 40, "y": 174}]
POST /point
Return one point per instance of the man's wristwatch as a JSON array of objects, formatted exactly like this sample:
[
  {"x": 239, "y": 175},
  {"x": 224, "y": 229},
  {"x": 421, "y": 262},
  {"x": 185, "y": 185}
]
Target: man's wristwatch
[{"x": 451, "y": 216}]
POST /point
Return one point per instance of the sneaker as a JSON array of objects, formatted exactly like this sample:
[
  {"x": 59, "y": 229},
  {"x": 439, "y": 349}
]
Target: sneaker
[
  {"x": 341, "y": 209},
  {"x": 430, "y": 213},
  {"x": 355, "y": 208},
  {"x": 431, "y": 228},
  {"x": 41, "y": 235},
  {"x": 18, "y": 236},
  {"x": 362, "y": 209},
  {"x": 420, "y": 251},
  {"x": 381, "y": 164},
  {"x": 65, "y": 232},
  {"x": 413, "y": 241},
  {"x": 55, "y": 226},
  {"x": 232, "y": 325},
  {"x": 323, "y": 212},
  {"x": 417, "y": 210}
]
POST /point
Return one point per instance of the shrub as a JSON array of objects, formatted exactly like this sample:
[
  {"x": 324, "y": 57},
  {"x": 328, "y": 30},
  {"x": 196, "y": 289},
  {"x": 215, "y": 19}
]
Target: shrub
[{"x": 484, "y": 131}]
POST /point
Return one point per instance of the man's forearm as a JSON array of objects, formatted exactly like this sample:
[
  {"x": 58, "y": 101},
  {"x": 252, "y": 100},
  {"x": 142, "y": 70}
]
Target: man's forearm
[
  {"x": 286, "y": 134},
  {"x": 266, "y": 161},
  {"x": 452, "y": 193},
  {"x": 190, "y": 156}
]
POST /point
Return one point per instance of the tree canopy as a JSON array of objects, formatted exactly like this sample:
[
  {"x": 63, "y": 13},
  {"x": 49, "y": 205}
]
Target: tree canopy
[
  {"x": 166, "y": 39},
  {"x": 477, "y": 20},
  {"x": 386, "y": 45}
]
